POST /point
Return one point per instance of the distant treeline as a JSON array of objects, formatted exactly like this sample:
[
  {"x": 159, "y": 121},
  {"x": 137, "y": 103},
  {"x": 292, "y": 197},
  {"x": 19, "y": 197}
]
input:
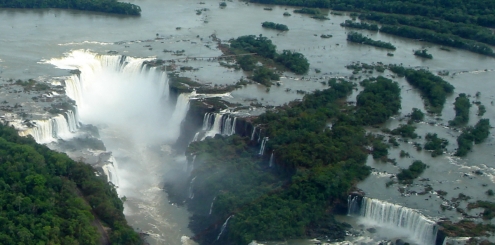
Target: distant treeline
[
  {"x": 460, "y": 24},
  {"x": 478, "y": 12},
  {"x": 106, "y": 6}
]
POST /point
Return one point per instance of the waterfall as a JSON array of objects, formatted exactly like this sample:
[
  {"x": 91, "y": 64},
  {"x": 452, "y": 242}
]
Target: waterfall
[
  {"x": 116, "y": 86},
  {"x": 195, "y": 138},
  {"x": 211, "y": 206},
  {"x": 353, "y": 205},
  {"x": 270, "y": 164},
  {"x": 228, "y": 124},
  {"x": 223, "y": 227},
  {"x": 42, "y": 132},
  {"x": 233, "y": 126},
  {"x": 60, "y": 127},
  {"x": 259, "y": 136},
  {"x": 72, "y": 121},
  {"x": 252, "y": 134},
  {"x": 49, "y": 130},
  {"x": 206, "y": 121},
  {"x": 190, "y": 166},
  {"x": 223, "y": 124},
  {"x": 191, "y": 193},
  {"x": 216, "y": 128},
  {"x": 420, "y": 228},
  {"x": 455, "y": 240},
  {"x": 178, "y": 115},
  {"x": 262, "y": 147},
  {"x": 111, "y": 171}
]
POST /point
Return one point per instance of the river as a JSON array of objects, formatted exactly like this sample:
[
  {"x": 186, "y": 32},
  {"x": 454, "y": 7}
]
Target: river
[{"x": 32, "y": 39}]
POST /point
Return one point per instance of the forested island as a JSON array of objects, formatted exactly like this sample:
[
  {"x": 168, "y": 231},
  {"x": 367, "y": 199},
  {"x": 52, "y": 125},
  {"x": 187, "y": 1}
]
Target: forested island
[
  {"x": 105, "y": 6},
  {"x": 47, "y": 198}
]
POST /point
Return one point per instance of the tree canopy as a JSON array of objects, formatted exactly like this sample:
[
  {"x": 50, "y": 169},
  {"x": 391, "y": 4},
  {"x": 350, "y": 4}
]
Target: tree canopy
[
  {"x": 46, "y": 198},
  {"x": 106, "y": 6}
]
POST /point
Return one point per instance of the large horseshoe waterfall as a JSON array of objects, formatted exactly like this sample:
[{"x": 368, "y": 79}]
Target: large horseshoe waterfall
[
  {"x": 417, "y": 226},
  {"x": 128, "y": 101}
]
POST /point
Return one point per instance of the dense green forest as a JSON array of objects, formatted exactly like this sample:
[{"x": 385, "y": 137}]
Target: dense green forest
[
  {"x": 359, "y": 38},
  {"x": 412, "y": 172},
  {"x": 315, "y": 152},
  {"x": 479, "y": 12},
  {"x": 106, "y": 6},
  {"x": 262, "y": 46},
  {"x": 275, "y": 26},
  {"x": 423, "y": 53},
  {"x": 435, "y": 145},
  {"x": 359, "y": 25},
  {"x": 434, "y": 89},
  {"x": 470, "y": 135},
  {"x": 46, "y": 198},
  {"x": 378, "y": 101},
  {"x": 461, "y": 107}
]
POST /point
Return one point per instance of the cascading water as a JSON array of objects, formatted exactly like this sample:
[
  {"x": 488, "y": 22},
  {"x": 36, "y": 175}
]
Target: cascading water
[
  {"x": 419, "y": 228},
  {"x": 353, "y": 205},
  {"x": 270, "y": 163},
  {"x": 223, "y": 227},
  {"x": 262, "y": 147},
  {"x": 211, "y": 206},
  {"x": 71, "y": 121},
  {"x": 455, "y": 240},
  {"x": 207, "y": 121},
  {"x": 110, "y": 170},
  {"x": 218, "y": 123},
  {"x": 128, "y": 101},
  {"x": 57, "y": 127},
  {"x": 191, "y": 191},
  {"x": 252, "y": 133}
]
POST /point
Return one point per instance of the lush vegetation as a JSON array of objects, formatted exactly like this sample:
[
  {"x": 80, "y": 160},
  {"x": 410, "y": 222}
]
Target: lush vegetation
[
  {"x": 435, "y": 145},
  {"x": 46, "y": 198},
  {"x": 359, "y": 38},
  {"x": 294, "y": 61},
  {"x": 414, "y": 170},
  {"x": 488, "y": 213},
  {"x": 106, "y": 6},
  {"x": 247, "y": 62},
  {"x": 359, "y": 25},
  {"x": 275, "y": 26},
  {"x": 314, "y": 167},
  {"x": 378, "y": 101},
  {"x": 417, "y": 115},
  {"x": 461, "y": 107},
  {"x": 438, "y": 38},
  {"x": 476, "y": 134},
  {"x": 252, "y": 44},
  {"x": 433, "y": 88},
  {"x": 264, "y": 76},
  {"x": 307, "y": 11},
  {"x": 462, "y": 11},
  {"x": 423, "y": 53},
  {"x": 457, "y": 30},
  {"x": 406, "y": 131},
  {"x": 459, "y": 24}
]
